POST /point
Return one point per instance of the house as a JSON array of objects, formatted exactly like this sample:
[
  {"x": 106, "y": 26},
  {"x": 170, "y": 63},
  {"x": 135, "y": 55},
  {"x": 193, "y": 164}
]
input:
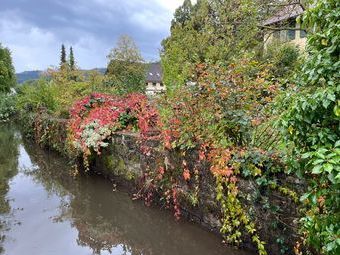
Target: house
[
  {"x": 285, "y": 18},
  {"x": 154, "y": 79}
]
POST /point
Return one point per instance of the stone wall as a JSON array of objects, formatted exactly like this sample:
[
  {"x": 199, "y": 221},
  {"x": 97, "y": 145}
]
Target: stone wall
[{"x": 124, "y": 163}]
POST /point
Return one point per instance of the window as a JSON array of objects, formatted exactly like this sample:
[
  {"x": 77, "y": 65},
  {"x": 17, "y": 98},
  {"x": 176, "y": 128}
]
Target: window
[
  {"x": 291, "y": 34},
  {"x": 154, "y": 83},
  {"x": 161, "y": 84},
  {"x": 276, "y": 35},
  {"x": 303, "y": 34}
]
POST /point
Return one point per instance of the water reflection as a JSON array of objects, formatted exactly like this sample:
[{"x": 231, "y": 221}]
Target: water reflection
[
  {"x": 66, "y": 215},
  {"x": 9, "y": 141}
]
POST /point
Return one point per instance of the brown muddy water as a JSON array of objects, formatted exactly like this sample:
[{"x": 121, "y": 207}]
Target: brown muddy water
[{"x": 44, "y": 210}]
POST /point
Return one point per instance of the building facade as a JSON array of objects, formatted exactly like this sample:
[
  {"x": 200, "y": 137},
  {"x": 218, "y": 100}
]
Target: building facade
[
  {"x": 154, "y": 79},
  {"x": 283, "y": 27}
]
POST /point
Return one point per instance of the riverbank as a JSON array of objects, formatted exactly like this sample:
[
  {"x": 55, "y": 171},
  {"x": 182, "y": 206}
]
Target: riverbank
[
  {"x": 51, "y": 211},
  {"x": 126, "y": 165}
]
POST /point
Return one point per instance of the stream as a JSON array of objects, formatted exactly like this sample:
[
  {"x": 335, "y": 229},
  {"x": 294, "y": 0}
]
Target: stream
[{"x": 44, "y": 209}]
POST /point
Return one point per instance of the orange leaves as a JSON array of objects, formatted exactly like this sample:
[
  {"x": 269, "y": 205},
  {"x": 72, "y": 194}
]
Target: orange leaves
[
  {"x": 255, "y": 122},
  {"x": 186, "y": 174},
  {"x": 167, "y": 139},
  {"x": 219, "y": 159},
  {"x": 201, "y": 155},
  {"x": 177, "y": 206},
  {"x": 218, "y": 171},
  {"x": 321, "y": 201},
  {"x": 161, "y": 172},
  {"x": 203, "y": 151}
]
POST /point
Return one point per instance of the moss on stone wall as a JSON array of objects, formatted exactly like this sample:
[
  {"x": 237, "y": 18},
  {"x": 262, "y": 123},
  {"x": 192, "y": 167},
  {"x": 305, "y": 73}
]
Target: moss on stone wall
[
  {"x": 123, "y": 162},
  {"x": 117, "y": 166}
]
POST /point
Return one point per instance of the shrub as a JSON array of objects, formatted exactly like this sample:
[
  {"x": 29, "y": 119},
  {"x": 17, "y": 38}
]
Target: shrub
[
  {"x": 96, "y": 117},
  {"x": 311, "y": 125},
  {"x": 59, "y": 90},
  {"x": 7, "y": 107},
  {"x": 7, "y": 72},
  {"x": 283, "y": 58},
  {"x": 37, "y": 94}
]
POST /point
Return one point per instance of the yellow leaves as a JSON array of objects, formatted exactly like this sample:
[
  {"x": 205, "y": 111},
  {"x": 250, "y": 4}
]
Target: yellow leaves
[
  {"x": 234, "y": 215},
  {"x": 290, "y": 130},
  {"x": 324, "y": 42},
  {"x": 256, "y": 171},
  {"x": 337, "y": 109}
]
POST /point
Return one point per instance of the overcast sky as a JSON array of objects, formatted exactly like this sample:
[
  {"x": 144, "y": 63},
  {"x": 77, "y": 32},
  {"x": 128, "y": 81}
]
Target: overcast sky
[{"x": 35, "y": 29}]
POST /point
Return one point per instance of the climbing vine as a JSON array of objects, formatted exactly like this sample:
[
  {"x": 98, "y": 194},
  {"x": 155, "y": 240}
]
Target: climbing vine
[
  {"x": 96, "y": 117},
  {"x": 215, "y": 119},
  {"x": 311, "y": 127}
]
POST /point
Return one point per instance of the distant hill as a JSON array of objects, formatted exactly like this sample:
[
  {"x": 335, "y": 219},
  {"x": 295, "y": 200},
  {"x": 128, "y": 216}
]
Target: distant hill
[
  {"x": 34, "y": 75},
  {"x": 100, "y": 70},
  {"x": 28, "y": 75}
]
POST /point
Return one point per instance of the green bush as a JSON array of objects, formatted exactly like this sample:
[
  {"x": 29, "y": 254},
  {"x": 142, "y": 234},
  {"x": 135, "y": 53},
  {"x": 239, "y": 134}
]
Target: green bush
[
  {"x": 7, "y": 107},
  {"x": 59, "y": 90},
  {"x": 283, "y": 58},
  {"x": 311, "y": 125},
  {"x": 37, "y": 94},
  {"x": 7, "y": 72}
]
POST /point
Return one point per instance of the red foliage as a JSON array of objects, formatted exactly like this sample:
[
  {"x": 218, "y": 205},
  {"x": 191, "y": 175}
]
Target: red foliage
[
  {"x": 186, "y": 174},
  {"x": 177, "y": 207},
  {"x": 105, "y": 111}
]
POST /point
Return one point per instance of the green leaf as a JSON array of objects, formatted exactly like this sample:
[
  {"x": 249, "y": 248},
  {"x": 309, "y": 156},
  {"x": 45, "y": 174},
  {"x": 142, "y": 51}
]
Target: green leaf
[
  {"x": 318, "y": 161},
  {"x": 337, "y": 111},
  {"x": 317, "y": 169},
  {"x": 328, "y": 167},
  {"x": 337, "y": 144},
  {"x": 326, "y": 103},
  {"x": 306, "y": 155},
  {"x": 331, "y": 178},
  {"x": 331, "y": 97},
  {"x": 305, "y": 197},
  {"x": 331, "y": 246}
]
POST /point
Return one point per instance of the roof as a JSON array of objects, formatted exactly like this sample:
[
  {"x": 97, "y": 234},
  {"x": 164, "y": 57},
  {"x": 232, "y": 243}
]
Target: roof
[
  {"x": 289, "y": 11},
  {"x": 154, "y": 73}
]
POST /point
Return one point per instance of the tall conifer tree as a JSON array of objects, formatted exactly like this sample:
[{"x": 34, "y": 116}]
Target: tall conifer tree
[
  {"x": 63, "y": 56},
  {"x": 71, "y": 61}
]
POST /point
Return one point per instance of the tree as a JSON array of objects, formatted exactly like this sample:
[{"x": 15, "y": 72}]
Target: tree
[
  {"x": 182, "y": 14},
  {"x": 126, "y": 67},
  {"x": 208, "y": 32},
  {"x": 71, "y": 60},
  {"x": 311, "y": 124},
  {"x": 63, "y": 57},
  {"x": 7, "y": 72}
]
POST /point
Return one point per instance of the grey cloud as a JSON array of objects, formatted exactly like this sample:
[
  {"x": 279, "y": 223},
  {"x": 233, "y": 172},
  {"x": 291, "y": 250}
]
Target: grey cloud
[{"x": 91, "y": 26}]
